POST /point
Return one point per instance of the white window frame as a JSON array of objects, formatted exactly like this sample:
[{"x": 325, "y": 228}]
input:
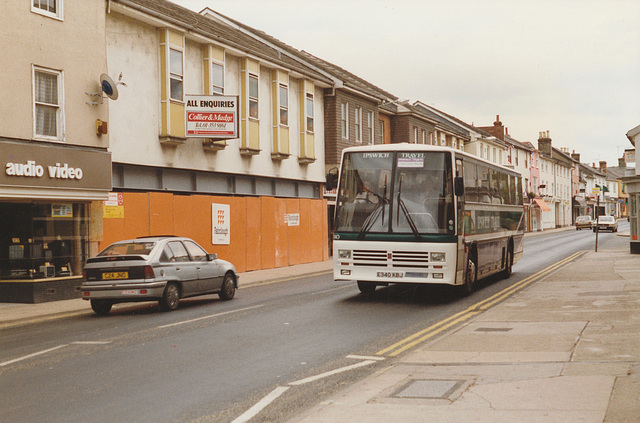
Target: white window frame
[
  {"x": 58, "y": 14},
  {"x": 415, "y": 135},
  {"x": 214, "y": 87},
  {"x": 283, "y": 104},
  {"x": 357, "y": 115},
  {"x": 309, "y": 114},
  {"x": 254, "y": 99},
  {"x": 175, "y": 76},
  {"x": 60, "y": 130},
  {"x": 370, "y": 132},
  {"x": 344, "y": 120}
]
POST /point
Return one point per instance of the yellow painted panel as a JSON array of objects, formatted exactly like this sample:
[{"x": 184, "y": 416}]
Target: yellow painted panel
[
  {"x": 216, "y": 53},
  {"x": 284, "y": 140},
  {"x": 177, "y": 120},
  {"x": 164, "y": 112},
  {"x": 252, "y": 66},
  {"x": 310, "y": 152},
  {"x": 164, "y": 66},
  {"x": 254, "y": 135},
  {"x": 274, "y": 101},
  {"x": 176, "y": 38}
]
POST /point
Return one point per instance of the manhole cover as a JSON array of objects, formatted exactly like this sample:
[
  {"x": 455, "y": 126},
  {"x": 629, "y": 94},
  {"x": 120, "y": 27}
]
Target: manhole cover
[{"x": 438, "y": 389}]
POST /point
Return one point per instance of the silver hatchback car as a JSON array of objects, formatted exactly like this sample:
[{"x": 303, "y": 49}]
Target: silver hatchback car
[{"x": 163, "y": 268}]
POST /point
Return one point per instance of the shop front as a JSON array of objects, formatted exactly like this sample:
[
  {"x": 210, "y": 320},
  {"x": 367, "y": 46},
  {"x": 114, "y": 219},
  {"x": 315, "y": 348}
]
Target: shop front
[{"x": 50, "y": 208}]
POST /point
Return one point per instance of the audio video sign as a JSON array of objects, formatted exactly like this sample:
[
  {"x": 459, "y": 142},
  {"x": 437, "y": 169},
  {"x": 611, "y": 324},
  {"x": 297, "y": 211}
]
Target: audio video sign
[{"x": 212, "y": 116}]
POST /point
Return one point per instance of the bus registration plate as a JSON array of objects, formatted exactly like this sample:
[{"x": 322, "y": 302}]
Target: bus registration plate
[{"x": 390, "y": 274}]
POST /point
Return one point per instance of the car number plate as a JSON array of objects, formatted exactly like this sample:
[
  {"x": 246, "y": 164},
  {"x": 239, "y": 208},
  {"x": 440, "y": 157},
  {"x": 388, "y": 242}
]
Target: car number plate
[
  {"x": 115, "y": 275},
  {"x": 131, "y": 292},
  {"x": 390, "y": 274}
]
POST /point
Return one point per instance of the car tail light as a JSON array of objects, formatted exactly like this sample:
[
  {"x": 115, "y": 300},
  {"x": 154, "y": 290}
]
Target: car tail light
[{"x": 148, "y": 272}]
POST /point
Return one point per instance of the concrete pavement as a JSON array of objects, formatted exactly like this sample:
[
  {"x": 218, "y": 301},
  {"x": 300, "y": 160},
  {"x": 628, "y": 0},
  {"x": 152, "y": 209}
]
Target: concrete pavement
[{"x": 564, "y": 349}]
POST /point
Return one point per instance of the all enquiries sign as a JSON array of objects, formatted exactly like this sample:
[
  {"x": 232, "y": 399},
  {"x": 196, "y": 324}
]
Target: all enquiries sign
[{"x": 212, "y": 116}]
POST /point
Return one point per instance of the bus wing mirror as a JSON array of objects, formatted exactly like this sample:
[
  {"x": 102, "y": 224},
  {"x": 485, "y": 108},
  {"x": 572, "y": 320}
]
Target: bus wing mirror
[{"x": 458, "y": 183}]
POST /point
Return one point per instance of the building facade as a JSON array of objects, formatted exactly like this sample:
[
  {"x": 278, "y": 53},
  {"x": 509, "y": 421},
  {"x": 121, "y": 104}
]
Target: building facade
[
  {"x": 260, "y": 187},
  {"x": 56, "y": 166}
]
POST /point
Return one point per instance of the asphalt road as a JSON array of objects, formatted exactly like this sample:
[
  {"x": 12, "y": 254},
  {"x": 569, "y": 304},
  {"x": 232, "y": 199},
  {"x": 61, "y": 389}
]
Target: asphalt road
[{"x": 213, "y": 361}]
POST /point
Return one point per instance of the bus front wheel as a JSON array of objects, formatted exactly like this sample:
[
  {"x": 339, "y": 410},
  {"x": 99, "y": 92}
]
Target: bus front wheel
[
  {"x": 470, "y": 277},
  {"x": 366, "y": 287}
]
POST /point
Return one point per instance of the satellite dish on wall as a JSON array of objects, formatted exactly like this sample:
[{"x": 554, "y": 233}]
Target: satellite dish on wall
[{"x": 108, "y": 86}]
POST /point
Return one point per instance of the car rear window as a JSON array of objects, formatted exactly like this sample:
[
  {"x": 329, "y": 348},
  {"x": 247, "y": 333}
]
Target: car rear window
[{"x": 129, "y": 248}]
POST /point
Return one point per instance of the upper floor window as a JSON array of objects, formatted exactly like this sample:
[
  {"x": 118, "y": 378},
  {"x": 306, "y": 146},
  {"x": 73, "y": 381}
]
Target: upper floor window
[
  {"x": 370, "y": 127},
  {"x": 253, "y": 96},
  {"x": 51, "y": 8},
  {"x": 176, "y": 72},
  {"x": 344, "y": 119},
  {"x": 47, "y": 104},
  {"x": 380, "y": 139},
  {"x": 284, "y": 104},
  {"x": 217, "y": 78},
  {"x": 415, "y": 135},
  {"x": 358, "y": 119},
  {"x": 309, "y": 111}
]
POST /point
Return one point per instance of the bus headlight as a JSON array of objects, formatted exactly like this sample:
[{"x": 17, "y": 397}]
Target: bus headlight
[
  {"x": 344, "y": 254},
  {"x": 438, "y": 257}
]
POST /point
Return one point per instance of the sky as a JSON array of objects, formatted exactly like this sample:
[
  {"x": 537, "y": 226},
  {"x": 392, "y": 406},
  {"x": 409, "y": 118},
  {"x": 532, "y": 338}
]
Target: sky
[{"x": 570, "y": 67}]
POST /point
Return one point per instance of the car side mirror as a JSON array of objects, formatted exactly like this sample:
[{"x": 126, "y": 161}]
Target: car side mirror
[
  {"x": 212, "y": 257},
  {"x": 458, "y": 185}
]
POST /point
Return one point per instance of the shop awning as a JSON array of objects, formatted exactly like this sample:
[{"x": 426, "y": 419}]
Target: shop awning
[
  {"x": 581, "y": 201},
  {"x": 540, "y": 202}
]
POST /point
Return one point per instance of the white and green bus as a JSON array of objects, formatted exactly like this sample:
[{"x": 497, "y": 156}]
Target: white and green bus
[{"x": 421, "y": 214}]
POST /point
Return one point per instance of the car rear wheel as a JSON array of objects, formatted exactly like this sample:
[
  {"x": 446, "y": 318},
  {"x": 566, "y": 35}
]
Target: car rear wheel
[
  {"x": 101, "y": 307},
  {"x": 170, "y": 298},
  {"x": 228, "y": 290}
]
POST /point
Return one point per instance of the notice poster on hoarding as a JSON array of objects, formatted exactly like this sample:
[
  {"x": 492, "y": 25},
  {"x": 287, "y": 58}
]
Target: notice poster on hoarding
[
  {"x": 211, "y": 116},
  {"x": 221, "y": 224}
]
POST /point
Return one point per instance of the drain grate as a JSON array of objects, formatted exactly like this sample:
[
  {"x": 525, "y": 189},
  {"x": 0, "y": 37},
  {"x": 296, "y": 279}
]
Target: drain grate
[
  {"x": 428, "y": 389},
  {"x": 493, "y": 329}
]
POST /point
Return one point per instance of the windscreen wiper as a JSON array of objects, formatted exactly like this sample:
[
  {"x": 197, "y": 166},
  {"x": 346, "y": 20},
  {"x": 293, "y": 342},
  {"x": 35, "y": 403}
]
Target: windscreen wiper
[
  {"x": 377, "y": 211},
  {"x": 403, "y": 207}
]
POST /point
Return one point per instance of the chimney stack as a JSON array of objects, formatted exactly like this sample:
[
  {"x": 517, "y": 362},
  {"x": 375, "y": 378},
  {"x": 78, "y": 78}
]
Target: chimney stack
[
  {"x": 603, "y": 166},
  {"x": 622, "y": 162},
  {"x": 544, "y": 143},
  {"x": 575, "y": 156}
]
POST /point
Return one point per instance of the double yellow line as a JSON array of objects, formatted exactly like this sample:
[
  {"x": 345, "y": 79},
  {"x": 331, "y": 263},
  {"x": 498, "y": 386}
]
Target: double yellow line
[{"x": 431, "y": 331}]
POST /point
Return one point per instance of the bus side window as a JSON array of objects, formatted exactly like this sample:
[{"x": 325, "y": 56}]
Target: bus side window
[
  {"x": 514, "y": 189},
  {"x": 484, "y": 189},
  {"x": 505, "y": 195},
  {"x": 470, "y": 181}
]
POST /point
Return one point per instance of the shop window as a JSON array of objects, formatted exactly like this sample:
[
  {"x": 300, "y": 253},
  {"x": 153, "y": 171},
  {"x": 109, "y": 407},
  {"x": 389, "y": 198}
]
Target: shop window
[{"x": 40, "y": 240}]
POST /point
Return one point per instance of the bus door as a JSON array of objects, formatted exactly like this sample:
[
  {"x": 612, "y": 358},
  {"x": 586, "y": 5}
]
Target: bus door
[{"x": 461, "y": 259}]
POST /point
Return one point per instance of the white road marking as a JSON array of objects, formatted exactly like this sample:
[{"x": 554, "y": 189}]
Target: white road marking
[
  {"x": 91, "y": 342},
  {"x": 332, "y": 372},
  {"x": 184, "y": 322},
  {"x": 364, "y": 357},
  {"x": 253, "y": 411},
  {"x": 6, "y": 363}
]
